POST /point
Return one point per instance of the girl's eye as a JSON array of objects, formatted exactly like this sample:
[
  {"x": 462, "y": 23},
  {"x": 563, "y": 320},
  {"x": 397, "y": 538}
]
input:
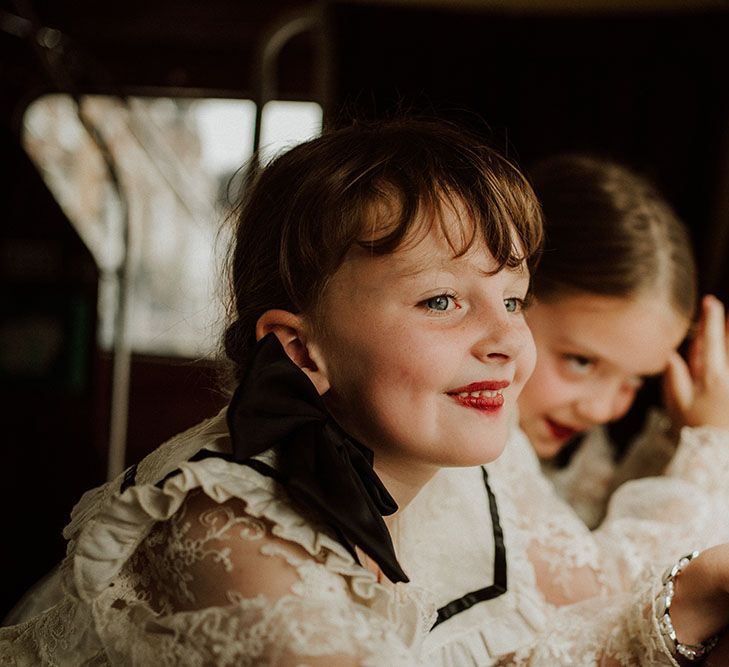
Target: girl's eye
[
  {"x": 440, "y": 303},
  {"x": 514, "y": 304},
  {"x": 579, "y": 364}
]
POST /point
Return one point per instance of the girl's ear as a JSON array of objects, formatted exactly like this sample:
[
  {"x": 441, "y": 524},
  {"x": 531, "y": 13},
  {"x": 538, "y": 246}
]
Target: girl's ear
[{"x": 291, "y": 332}]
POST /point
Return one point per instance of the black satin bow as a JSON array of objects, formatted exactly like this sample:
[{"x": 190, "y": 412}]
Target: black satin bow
[{"x": 322, "y": 468}]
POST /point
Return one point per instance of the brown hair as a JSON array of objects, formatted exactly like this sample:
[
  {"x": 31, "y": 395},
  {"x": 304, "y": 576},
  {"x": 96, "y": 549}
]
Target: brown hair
[
  {"x": 308, "y": 207},
  {"x": 609, "y": 232}
]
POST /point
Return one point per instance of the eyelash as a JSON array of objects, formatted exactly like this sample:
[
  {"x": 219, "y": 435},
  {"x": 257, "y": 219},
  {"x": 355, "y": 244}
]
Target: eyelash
[
  {"x": 586, "y": 365},
  {"x": 448, "y": 295},
  {"x": 520, "y": 304},
  {"x": 578, "y": 363}
]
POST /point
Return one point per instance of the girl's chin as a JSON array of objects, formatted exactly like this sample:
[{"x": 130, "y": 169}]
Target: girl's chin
[
  {"x": 483, "y": 455},
  {"x": 547, "y": 449}
]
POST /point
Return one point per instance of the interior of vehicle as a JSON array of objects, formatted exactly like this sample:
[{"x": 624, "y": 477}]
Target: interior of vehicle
[{"x": 127, "y": 131}]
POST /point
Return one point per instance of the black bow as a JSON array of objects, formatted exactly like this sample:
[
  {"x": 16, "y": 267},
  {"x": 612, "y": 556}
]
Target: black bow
[{"x": 322, "y": 468}]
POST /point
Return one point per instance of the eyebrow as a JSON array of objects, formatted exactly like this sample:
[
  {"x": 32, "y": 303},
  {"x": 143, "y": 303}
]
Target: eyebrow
[
  {"x": 416, "y": 271},
  {"x": 520, "y": 271},
  {"x": 409, "y": 268}
]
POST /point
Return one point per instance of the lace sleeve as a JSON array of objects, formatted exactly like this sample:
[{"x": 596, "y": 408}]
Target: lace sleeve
[
  {"x": 699, "y": 457},
  {"x": 606, "y": 632},
  {"x": 220, "y": 585},
  {"x": 655, "y": 519},
  {"x": 649, "y": 522}
]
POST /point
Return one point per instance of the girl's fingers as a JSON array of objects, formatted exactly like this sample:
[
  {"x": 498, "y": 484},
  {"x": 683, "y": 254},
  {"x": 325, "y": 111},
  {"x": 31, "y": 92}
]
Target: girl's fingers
[
  {"x": 678, "y": 387},
  {"x": 695, "y": 353},
  {"x": 714, "y": 351}
]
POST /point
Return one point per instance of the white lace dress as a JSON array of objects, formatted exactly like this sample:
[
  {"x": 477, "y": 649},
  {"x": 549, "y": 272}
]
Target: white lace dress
[
  {"x": 573, "y": 596},
  {"x": 213, "y": 567},
  {"x": 593, "y": 474}
]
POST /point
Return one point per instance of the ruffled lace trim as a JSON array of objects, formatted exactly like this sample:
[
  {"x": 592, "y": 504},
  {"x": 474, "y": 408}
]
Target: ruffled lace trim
[
  {"x": 486, "y": 633},
  {"x": 111, "y": 525}
]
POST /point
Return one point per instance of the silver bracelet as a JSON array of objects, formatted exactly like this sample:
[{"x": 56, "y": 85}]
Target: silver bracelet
[{"x": 691, "y": 652}]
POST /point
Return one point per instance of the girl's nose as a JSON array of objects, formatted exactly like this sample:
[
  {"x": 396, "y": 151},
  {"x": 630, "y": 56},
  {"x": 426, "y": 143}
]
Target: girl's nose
[
  {"x": 502, "y": 338},
  {"x": 605, "y": 403}
]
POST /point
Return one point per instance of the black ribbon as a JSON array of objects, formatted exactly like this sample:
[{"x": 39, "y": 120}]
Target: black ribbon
[{"x": 322, "y": 468}]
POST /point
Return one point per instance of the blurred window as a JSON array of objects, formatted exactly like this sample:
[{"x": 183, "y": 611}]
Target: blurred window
[{"x": 179, "y": 164}]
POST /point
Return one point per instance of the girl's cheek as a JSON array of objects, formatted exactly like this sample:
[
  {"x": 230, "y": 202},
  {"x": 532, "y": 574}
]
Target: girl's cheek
[
  {"x": 553, "y": 389},
  {"x": 528, "y": 357},
  {"x": 624, "y": 402},
  {"x": 524, "y": 348},
  {"x": 548, "y": 367},
  {"x": 536, "y": 397}
]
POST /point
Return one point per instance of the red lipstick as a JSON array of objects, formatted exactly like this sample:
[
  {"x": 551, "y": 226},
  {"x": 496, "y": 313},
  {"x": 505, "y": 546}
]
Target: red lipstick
[
  {"x": 484, "y": 396},
  {"x": 489, "y": 385},
  {"x": 560, "y": 431}
]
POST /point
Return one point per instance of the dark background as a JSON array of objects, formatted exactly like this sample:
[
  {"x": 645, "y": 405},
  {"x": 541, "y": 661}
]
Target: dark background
[{"x": 647, "y": 87}]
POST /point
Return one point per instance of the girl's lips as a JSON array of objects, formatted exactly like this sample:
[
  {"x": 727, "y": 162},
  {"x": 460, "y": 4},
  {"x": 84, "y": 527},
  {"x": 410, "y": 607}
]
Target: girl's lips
[
  {"x": 486, "y": 385},
  {"x": 560, "y": 431},
  {"x": 484, "y": 396},
  {"x": 490, "y": 401}
]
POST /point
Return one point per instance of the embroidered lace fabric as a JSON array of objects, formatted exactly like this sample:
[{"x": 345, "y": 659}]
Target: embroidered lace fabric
[
  {"x": 574, "y": 596},
  {"x": 152, "y": 575},
  {"x": 215, "y": 568},
  {"x": 593, "y": 474}
]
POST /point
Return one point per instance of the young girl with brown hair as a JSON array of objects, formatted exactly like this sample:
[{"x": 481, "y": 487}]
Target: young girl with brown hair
[{"x": 378, "y": 276}]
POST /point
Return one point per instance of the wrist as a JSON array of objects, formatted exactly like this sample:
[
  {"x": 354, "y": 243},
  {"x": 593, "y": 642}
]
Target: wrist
[{"x": 693, "y": 636}]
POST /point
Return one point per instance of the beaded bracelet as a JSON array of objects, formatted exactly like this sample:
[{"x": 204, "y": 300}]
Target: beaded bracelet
[{"x": 691, "y": 652}]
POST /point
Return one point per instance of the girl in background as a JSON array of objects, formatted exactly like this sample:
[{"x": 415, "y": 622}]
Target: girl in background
[{"x": 615, "y": 295}]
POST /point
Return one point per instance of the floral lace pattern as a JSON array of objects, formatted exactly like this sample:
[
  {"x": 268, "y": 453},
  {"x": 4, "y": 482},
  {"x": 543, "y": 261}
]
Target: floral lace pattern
[
  {"x": 214, "y": 569},
  {"x": 575, "y": 596},
  {"x": 217, "y": 568},
  {"x": 160, "y": 568},
  {"x": 619, "y": 632}
]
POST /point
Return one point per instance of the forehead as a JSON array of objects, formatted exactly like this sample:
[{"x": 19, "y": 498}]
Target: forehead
[
  {"x": 635, "y": 335},
  {"x": 435, "y": 246},
  {"x": 406, "y": 220}
]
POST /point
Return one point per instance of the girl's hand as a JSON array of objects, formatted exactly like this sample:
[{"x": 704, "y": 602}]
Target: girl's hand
[
  {"x": 697, "y": 392},
  {"x": 700, "y": 608}
]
